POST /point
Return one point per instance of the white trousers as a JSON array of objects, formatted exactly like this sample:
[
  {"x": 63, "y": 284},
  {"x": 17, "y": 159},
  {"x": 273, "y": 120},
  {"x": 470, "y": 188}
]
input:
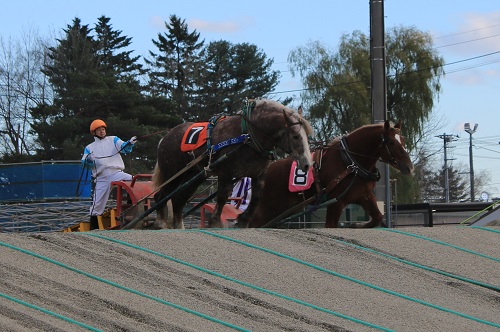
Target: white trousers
[{"x": 103, "y": 189}]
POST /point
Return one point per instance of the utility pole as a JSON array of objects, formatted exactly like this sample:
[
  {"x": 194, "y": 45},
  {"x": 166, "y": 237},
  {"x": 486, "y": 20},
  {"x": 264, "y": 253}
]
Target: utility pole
[
  {"x": 379, "y": 94},
  {"x": 471, "y": 131},
  {"x": 446, "y": 139}
]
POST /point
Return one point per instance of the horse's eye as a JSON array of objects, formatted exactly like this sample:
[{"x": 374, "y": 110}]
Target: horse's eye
[{"x": 296, "y": 137}]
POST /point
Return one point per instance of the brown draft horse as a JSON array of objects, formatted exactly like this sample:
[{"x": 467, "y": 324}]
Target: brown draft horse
[
  {"x": 345, "y": 170},
  {"x": 270, "y": 126}
]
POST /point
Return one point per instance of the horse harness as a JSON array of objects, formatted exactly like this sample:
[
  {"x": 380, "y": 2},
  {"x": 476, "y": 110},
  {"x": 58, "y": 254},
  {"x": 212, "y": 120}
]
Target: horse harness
[
  {"x": 384, "y": 143},
  {"x": 248, "y": 134},
  {"x": 321, "y": 192},
  {"x": 352, "y": 167},
  {"x": 246, "y": 114}
]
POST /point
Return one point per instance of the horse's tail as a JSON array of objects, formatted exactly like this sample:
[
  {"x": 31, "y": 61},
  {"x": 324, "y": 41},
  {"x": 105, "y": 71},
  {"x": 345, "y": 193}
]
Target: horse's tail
[{"x": 158, "y": 177}]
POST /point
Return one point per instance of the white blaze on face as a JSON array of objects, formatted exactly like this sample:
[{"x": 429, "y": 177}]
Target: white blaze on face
[{"x": 398, "y": 138}]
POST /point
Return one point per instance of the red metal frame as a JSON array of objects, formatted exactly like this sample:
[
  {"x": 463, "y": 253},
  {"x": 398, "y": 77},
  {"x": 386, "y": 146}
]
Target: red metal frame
[
  {"x": 136, "y": 190},
  {"x": 229, "y": 212}
]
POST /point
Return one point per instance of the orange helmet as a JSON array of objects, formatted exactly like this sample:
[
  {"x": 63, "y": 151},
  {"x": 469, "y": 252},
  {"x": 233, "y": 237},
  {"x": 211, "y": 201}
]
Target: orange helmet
[{"x": 97, "y": 124}]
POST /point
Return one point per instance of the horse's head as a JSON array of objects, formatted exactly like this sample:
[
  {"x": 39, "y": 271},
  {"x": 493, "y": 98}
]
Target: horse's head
[
  {"x": 275, "y": 126},
  {"x": 393, "y": 149},
  {"x": 294, "y": 139}
]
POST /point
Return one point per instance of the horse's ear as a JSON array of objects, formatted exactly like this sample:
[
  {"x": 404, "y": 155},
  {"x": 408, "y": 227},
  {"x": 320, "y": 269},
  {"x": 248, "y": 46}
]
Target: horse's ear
[
  {"x": 300, "y": 111},
  {"x": 398, "y": 125},
  {"x": 387, "y": 125},
  {"x": 286, "y": 117}
]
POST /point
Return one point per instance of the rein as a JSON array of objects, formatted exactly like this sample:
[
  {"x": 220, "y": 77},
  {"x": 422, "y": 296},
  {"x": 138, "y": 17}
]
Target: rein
[
  {"x": 352, "y": 167},
  {"x": 246, "y": 125},
  {"x": 240, "y": 139},
  {"x": 246, "y": 114},
  {"x": 348, "y": 159},
  {"x": 164, "y": 200}
]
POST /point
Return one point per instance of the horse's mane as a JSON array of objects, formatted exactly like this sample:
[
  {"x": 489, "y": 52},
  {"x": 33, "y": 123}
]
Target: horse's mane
[
  {"x": 336, "y": 140},
  {"x": 275, "y": 104}
]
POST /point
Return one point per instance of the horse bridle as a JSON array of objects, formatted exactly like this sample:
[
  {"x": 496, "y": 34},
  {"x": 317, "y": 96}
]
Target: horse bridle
[
  {"x": 349, "y": 159},
  {"x": 246, "y": 125},
  {"x": 392, "y": 161},
  {"x": 286, "y": 131}
]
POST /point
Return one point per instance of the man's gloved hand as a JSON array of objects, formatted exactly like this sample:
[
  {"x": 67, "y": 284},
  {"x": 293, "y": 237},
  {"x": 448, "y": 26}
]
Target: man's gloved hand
[
  {"x": 90, "y": 157},
  {"x": 133, "y": 140}
]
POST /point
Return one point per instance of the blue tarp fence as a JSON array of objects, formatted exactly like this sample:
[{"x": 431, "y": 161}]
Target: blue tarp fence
[{"x": 44, "y": 180}]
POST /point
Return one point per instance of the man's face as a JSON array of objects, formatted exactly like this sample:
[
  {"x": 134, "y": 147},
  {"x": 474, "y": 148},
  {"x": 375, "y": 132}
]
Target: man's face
[{"x": 100, "y": 132}]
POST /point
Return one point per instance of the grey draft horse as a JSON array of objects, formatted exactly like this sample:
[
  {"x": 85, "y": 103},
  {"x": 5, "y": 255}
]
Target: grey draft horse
[{"x": 267, "y": 126}]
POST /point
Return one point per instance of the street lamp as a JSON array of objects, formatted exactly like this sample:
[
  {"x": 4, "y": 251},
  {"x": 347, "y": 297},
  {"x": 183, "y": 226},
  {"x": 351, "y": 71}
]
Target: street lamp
[{"x": 470, "y": 131}]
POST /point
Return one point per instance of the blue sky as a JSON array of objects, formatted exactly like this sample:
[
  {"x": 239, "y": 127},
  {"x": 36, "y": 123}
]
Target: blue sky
[{"x": 465, "y": 33}]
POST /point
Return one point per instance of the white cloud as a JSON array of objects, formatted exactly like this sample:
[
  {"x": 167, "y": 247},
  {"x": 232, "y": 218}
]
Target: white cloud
[
  {"x": 477, "y": 76},
  {"x": 477, "y": 35},
  {"x": 229, "y": 26},
  {"x": 220, "y": 27}
]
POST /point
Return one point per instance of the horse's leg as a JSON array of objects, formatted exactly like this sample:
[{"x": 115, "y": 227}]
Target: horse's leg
[
  {"x": 180, "y": 199},
  {"x": 178, "y": 221},
  {"x": 224, "y": 187},
  {"x": 333, "y": 213},
  {"x": 369, "y": 204},
  {"x": 167, "y": 219},
  {"x": 161, "y": 222},
  {"x": 162, "y": 212},
  {"x": 244, "y": 218}
]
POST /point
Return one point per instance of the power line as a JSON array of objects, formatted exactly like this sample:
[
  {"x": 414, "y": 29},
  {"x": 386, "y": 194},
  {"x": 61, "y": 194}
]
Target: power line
[
  {"x": 410, "y": 72},
  {"x": 468, "y": 31},
  {"x": 446, "y": 64},
  {"x": 468, "y": 41}
]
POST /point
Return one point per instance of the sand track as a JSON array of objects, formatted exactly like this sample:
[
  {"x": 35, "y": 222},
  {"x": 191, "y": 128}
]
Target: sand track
[{"x": 253, "y": 279}]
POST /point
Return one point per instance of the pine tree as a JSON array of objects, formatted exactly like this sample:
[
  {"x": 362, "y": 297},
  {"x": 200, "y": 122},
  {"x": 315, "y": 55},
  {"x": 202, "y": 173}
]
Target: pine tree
[
  {"x": 71, "y": 71},
  {"x": 111, "y": 57},
  {"x": 176, "y": 66},
  {"x": 232, "y": 73},
  {"x": 94, "y": 77}
]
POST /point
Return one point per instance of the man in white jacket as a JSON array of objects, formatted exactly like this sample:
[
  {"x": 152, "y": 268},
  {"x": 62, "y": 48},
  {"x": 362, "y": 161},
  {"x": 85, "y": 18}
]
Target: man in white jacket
[{"x": 103, "y": 157}]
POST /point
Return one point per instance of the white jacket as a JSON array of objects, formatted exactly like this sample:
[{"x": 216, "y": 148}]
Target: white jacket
[{"x": 103, "y": 155}]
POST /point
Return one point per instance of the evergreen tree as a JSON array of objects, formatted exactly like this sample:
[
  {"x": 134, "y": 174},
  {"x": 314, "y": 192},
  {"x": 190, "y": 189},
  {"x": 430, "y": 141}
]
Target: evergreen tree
[
  {"x": 176, "y": 66},
  {"x": 111, "y": 54},
  {"x": 94, "y": 77},
  {"x": 72, "y": 71},
  {"x": 457, "y": 185},
  {"x": 233, "y": 73}
]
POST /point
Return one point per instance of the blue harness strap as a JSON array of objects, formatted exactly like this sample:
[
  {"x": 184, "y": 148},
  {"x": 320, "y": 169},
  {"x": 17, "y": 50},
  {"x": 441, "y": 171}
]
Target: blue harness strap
[
  {"x": 236, "y": 140},
  {"x": 231, "y": 141}
]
